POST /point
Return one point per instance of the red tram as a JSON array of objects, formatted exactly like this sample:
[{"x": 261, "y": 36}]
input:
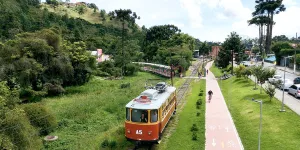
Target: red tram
[
  {"x": 156, "y": 68},
  {"x": 148, "y": 114}
]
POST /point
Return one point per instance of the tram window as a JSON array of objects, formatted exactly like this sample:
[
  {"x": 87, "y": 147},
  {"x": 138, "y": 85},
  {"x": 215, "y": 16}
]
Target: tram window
[
  {"x": 138, "y": 115},
  {"x": 128, "y": 114},
  {"x": 154, "y": 116}
]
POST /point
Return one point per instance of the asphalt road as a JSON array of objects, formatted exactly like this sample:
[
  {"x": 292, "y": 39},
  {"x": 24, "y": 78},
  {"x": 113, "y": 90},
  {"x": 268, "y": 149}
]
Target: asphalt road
[{"x": 289, "y": 100}]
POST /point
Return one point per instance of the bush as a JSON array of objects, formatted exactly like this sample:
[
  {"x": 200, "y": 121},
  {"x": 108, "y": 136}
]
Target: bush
[
  {"x": 194, "y": 136},
  {"x": 112, "y": 144},
  {"x": 198, "y": 113},
  {"x": 200, "y": 94},
  {"x": 194, "y": 128},
  {"x": 54, "y": 89},
  {"x": 40, "y": 118},
  {"x": 125, "y": 85},
  {"x": 198, "y": 106},
  {"x": 131, "y": 69},
  {"x": 105, "y": 143},
  {"x": 29, "y": 95},
  {"x": 199, "y": 102},
  {"x": 102, "y": 74}
]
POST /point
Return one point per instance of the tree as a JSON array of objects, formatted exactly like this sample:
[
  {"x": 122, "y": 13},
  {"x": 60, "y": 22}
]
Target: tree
[
  {"x": 233, "y": 42},
  {"x": 270, "y": 90},
  {"x": 268, "y": 8},
  {"x": 80, "y": 9},
  {"x": 277, "y": 47},
  {"x": 262, "y": 74},
  {"x": 93, "y": 6},
  {"x": 125, "y": 16},
  {"x": 204, "y": 48},
  {"x": 102, "y": 15},
  {"x": 280, "y": 38}
]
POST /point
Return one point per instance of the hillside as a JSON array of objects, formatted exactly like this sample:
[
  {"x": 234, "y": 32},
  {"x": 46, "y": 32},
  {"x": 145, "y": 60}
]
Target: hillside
[{"x": 88, "y": 15}]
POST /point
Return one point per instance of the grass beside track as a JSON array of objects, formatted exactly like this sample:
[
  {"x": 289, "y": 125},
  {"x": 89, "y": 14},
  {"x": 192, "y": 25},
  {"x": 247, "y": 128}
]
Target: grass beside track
[
  {"x": 280, "y": 130},
  {"x": 90, "y": 113},
  {"x": 182, "y": 136}
]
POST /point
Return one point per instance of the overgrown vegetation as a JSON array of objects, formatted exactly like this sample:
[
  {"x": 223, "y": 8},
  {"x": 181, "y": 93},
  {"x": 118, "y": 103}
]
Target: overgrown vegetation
[{"x": 18, "y": 124}]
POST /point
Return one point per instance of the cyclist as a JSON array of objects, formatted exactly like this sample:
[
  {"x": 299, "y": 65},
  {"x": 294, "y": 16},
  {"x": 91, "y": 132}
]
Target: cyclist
[{"x": 210, "y": 93}]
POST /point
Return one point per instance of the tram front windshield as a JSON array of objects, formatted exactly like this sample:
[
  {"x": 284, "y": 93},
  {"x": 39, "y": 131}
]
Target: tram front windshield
[{"x": 138, "y": 115}]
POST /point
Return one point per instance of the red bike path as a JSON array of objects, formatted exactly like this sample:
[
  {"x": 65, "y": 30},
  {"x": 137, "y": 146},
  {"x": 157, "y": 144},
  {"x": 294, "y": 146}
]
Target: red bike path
[{"x": 220, "y": 132}]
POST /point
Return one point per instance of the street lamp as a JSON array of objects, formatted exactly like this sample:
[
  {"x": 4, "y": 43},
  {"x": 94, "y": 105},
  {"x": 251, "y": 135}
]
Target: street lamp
[
  {"x": 260, "y": 122},
  {"x": 295, "y": 56},
  {"x": 282, "y": 104}
]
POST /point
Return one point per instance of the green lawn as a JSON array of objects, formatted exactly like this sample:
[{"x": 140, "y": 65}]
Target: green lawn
[
  {"x": 216, "y": 71},
  {"x": 280, "y": 131},
  {"x": 181, "y": 138},
  {"x": 93, "y": 112}
]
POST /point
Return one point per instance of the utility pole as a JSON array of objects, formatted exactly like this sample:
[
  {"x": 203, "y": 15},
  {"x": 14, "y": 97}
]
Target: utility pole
[
  {"x": 295, "y": 56},
  {"x": 232, "y": 62}
]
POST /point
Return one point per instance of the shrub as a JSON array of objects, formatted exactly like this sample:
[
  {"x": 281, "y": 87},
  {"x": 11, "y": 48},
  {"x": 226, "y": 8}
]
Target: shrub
[
  {"x": 194, "y": 136},
  {"x": 194, "y": 128},
  {"x": 198, "y": 106},
  {"x": 40, "y": 118},
  {"x": 105, "y": 143},
  {"x": 112, "y": 144},
  {"x": 131, "y": 69},
  {"x": 199, "y": 102},
  {"x": 29, "y": 95},
  {"x": 200, "y": 94},
  {"x": 102, "y": 74},
  {"x": 198, "y": 113},
  {"x": 54, "y": 89},
  {"x": 125, "y": 85}
]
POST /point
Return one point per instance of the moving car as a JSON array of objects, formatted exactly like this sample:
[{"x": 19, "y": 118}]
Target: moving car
[
  {"x": 297, "y": 80},
  {"x": 286, "y": 84},
  {"x": 275, "y": 79},
  {"x": 295, "y": 90}
]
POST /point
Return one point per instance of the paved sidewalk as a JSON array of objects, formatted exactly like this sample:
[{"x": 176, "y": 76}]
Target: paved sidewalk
[{"x": 220, "y": 131}]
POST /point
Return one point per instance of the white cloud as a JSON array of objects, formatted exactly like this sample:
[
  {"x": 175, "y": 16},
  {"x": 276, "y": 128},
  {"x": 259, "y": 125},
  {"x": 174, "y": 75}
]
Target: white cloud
[
  {"x": 194, "y": 12},
  {"x": 210, "y": 20},
  {"x": 221, "y": 16},
  {"x": 178, "y": 24},
  {"x": 287, "y": 22}
]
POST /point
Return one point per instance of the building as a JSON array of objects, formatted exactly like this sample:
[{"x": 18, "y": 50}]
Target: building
[
  {"x": 214, "y": 51},
  {"x": 100, "y": 57}
]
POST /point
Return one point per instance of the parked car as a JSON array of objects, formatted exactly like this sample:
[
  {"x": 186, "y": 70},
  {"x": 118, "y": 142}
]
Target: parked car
[
  {"x": 286, "y": 84},
  {"x": 275, "y": 79},
  {"x": 297, "y": 80},
  {"x": 295, "y": 90}
]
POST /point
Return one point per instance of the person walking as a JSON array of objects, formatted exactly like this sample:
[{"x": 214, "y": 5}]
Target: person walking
[{"x": 210, "y": 93}]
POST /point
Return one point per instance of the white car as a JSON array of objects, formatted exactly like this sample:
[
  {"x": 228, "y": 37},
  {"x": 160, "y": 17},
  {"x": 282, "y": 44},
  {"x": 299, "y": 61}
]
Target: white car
[
  {"x": 295, "y": 90},
  {"x": 286, "y": 84},
  {"x": 275, "y": 79}
]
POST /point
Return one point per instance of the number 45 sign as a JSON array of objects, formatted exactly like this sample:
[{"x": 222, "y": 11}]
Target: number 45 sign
[{"x": 139, "y": 132}]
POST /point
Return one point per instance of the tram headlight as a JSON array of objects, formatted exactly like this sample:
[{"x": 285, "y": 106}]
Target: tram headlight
[
  {"x": 149, "y": 132},
  {"x": 128, "y": 131}
]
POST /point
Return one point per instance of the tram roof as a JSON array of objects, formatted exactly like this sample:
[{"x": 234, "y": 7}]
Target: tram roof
[
  {"x": 152, "y": 64},
  {"x": 157, "y": 99}
]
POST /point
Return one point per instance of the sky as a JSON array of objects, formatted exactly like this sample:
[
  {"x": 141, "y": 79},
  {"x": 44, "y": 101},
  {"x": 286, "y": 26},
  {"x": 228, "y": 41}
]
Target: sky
[{"x": 207, "y": 20}]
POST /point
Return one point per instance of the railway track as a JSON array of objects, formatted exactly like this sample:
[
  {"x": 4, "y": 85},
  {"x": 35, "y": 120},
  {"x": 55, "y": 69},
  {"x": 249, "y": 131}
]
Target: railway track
[
  {"x": 182, "y": 90},
  {"x": 180, "y": 95}
]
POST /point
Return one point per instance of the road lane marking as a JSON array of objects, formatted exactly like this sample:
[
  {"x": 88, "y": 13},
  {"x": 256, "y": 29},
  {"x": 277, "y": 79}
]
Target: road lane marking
[{"x": 214, "y": 143}]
